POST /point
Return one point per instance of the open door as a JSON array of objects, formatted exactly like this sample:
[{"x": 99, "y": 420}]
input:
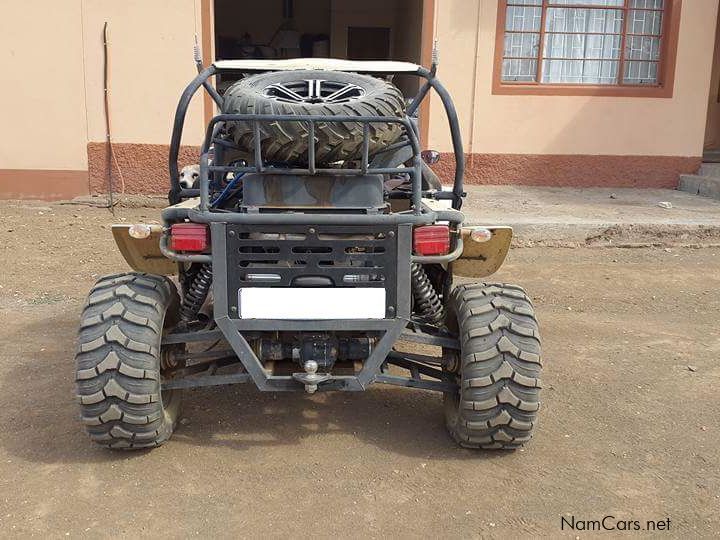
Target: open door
[
  {"x": 233, "y": 29},
  {"x": 368, "y": 30}
]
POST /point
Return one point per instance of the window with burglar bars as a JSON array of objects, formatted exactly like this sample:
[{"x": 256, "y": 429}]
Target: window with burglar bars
[{"x": 612, "y": 44}]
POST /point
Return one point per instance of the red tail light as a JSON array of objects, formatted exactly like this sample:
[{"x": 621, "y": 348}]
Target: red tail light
[
  {"x": 189, "y": 237},
  {"x": 431, "y": 240}
]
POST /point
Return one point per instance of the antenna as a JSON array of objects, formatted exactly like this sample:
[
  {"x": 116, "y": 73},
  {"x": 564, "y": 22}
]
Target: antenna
[
  {"x": 435, "y": 57},
  {"x": 197, "y": 54}
]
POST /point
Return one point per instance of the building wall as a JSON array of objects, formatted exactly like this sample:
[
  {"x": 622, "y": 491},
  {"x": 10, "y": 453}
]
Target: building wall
[
  {"x": 42, "y": 110},
  {"x": 556, "y": 139},
  {"x": 151, "y": 62},
  {"x": 53, "y": 93}
]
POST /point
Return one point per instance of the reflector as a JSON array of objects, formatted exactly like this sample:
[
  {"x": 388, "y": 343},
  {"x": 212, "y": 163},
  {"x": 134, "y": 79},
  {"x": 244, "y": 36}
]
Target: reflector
[
  {"x": 140, "y": 231},
  {"x": 481, "y": 234}
]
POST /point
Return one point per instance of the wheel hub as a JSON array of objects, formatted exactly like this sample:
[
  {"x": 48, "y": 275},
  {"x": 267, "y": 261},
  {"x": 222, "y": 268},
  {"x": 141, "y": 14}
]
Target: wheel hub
[
  {"x": 314, "y": 91},
  {"x": 169, "y": 358}
]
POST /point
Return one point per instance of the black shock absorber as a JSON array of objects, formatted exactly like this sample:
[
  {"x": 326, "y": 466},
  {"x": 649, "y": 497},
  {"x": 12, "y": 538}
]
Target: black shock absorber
[
  {"x": 427, "y": 301},
  {"x": 196, "y": 293}
]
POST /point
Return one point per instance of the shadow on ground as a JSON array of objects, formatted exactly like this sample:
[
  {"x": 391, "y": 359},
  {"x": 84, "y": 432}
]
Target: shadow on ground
[{"x": 40, "y": 416}]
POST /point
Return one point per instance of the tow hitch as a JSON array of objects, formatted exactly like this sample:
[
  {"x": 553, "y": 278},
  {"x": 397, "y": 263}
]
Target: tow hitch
[{"x": 311, "y": 378}]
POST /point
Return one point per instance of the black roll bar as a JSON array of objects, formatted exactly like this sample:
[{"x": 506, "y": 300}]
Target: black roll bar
[
  {"x": 415, "y": 172},
  {"x": 202, "y": 78}
]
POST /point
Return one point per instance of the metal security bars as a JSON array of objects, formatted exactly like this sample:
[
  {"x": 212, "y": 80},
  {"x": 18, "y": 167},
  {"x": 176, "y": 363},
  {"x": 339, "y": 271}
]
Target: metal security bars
[
  {"x": 177, "y": 194},
  {"x": 260, "y": 165},
  {"x": 584, "y": 42}
]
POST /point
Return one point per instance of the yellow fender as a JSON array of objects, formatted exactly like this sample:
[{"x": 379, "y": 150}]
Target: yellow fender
[
  {"x": 143, "y": 254},
  {"x": 483, "y": 256}
]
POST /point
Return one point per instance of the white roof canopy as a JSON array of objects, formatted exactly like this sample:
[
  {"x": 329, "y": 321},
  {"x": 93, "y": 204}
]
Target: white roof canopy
[{"x": 326, "y": 64}]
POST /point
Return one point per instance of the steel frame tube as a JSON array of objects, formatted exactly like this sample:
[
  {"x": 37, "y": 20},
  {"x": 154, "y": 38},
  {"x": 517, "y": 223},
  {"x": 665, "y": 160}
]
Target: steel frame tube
[
  {"x": 455, "y": 134},
  {"x": 426, "y": 217},
  {"x": 441, "y": 259},
  {"x": 432, "y": 82},
  {"x": 178, "y": 124},
  {"x": 181, "y": 257}
]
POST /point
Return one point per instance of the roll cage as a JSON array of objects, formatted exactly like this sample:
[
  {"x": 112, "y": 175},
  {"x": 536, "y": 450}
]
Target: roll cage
[
  {"x": 225, "y": 227},
  {"x": 209, "y": 172}
]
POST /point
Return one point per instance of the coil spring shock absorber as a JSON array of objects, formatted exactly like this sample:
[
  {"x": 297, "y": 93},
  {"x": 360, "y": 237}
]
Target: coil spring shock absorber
[
  {"x": 427, "y": 302},
  {"x": 196, "y": 293}
]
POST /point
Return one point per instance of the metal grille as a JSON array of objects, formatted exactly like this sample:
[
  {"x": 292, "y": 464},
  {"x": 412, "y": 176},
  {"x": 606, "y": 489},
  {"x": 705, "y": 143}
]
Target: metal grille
[
  {"x": 605, "y": 42},
  {"x": 299, "y": 256}
]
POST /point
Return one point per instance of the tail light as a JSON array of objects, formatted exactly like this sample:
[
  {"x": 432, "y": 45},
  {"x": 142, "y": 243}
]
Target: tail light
[
  {"x": 431, "y": 240},
  {"x": 189, "y": 237}
]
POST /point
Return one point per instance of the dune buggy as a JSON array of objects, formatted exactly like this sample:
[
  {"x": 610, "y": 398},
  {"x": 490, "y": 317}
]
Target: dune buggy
[{"x": 311, "y": 249}]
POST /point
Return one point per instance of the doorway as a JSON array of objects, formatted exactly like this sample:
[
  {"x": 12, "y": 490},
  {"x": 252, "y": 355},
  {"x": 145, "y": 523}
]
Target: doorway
[
  {"x": 348, "y": 29},
  {"x": 368, "y": 43}
]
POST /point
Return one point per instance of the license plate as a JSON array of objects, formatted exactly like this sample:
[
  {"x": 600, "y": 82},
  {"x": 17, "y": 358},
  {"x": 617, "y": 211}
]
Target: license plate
[{"x": 309, "y": 303}]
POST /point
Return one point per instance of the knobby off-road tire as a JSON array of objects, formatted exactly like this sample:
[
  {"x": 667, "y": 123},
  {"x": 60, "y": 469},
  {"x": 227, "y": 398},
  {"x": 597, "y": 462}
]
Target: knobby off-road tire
[
  {"x": 118, "y": 362},
  {"x": 499, "y": 367},
  {"x": 287, "y": 142}
]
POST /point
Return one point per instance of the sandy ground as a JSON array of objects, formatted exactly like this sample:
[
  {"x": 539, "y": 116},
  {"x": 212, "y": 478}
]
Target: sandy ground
[
  {"x": 536, "y": 205},
  {"x": 629, "y": 425},
  {"x": 571, "y": 217}
]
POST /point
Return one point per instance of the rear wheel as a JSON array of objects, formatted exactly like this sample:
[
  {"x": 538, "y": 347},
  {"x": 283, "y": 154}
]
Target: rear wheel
[
  {"x": 120, "y": 361},
  {"x": 498, "y": 369}
]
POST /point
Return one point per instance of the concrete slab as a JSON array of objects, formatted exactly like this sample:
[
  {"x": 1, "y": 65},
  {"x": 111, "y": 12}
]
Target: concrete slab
[
  {"x": 596, "y": 216},
  {"x": 710, "y": 169},
  {"x": 704, "y": 186}
]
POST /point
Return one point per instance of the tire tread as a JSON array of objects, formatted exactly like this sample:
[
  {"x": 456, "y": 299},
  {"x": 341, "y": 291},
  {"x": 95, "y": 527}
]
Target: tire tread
[
  {"x": 287, "y": 142},
  {"x": 118, "y": 361},
  {"x": 500, "y": 367}
]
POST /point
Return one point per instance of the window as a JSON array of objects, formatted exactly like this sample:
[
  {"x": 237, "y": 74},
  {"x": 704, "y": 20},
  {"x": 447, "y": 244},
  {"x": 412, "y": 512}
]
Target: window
[{"x": 586, "y": 47}]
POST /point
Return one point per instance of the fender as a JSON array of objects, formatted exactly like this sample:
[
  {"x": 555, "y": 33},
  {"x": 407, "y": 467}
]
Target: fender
[
  {"x": 143, "y": 254},
  {"x": 482, "y": 259}
]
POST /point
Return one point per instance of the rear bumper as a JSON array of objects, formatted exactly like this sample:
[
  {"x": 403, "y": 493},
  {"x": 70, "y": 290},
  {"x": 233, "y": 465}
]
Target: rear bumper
[{"x": 226, "y": 282}]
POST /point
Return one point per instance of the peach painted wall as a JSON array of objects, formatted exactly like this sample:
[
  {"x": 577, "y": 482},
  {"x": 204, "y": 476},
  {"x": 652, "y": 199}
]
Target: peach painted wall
[
  {"x": 495, "y": 124},
  {"x": 41, "y": 78},
  {"x": 151, "y": 62},
  {"x": 52, "y": 84}
]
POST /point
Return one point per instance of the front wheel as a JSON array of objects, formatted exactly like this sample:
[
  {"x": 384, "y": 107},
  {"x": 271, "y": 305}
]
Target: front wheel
[
  {"x": 498, "y": 370},
  {"x": 120, "y": 361}
]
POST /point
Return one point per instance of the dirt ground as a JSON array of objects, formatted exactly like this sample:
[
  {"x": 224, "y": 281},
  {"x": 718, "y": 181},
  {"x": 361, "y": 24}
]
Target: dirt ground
[{"x": 629, "y": 423}]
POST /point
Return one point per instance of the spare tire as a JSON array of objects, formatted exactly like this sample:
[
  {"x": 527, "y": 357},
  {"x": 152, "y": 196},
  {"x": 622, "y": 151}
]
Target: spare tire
[{"x": 321, "y": 93}]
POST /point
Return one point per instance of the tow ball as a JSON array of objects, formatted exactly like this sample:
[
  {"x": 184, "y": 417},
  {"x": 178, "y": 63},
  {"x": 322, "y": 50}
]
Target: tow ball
[{"x": 311, "y": 378}]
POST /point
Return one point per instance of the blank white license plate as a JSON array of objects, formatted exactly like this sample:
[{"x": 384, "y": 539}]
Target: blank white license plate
[{"x": 311, "y": 303}]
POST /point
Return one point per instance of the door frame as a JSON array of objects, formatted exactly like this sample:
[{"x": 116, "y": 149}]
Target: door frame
[{"x": 712, "y": 122}]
